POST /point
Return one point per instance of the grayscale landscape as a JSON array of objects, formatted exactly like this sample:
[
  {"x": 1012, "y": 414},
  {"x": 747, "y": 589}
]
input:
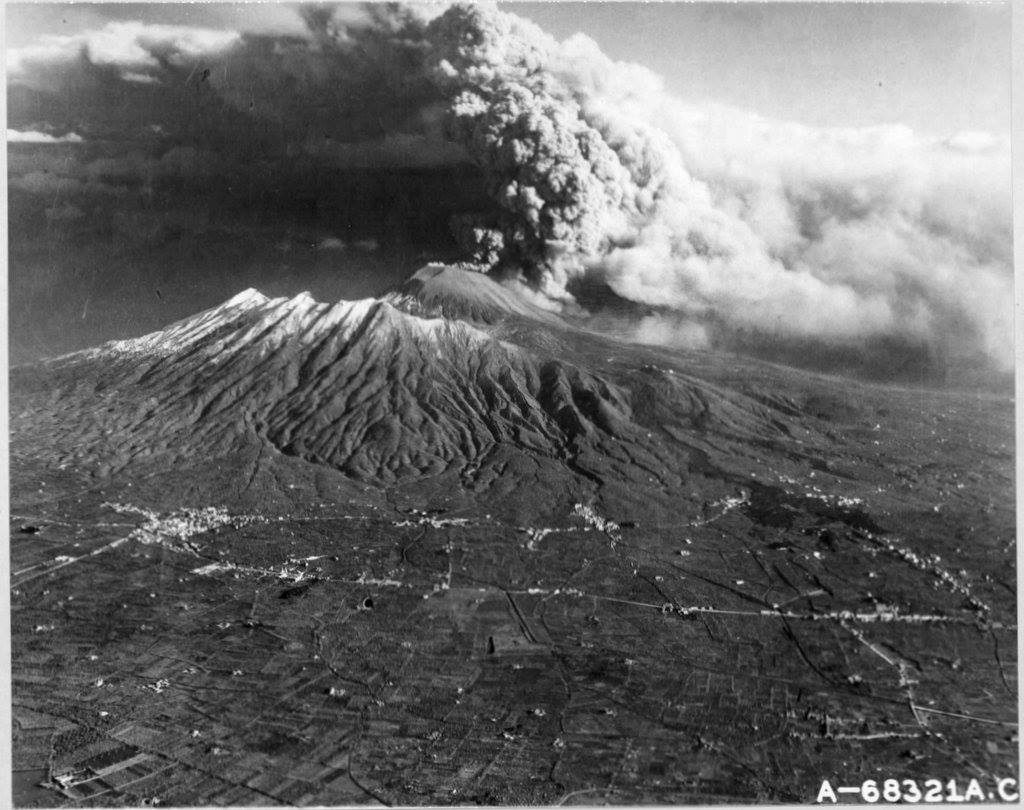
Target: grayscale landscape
[{"x": 571, "y": 470}]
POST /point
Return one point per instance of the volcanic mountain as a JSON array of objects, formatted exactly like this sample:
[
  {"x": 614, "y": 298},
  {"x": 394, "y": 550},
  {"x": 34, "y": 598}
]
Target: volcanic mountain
[
  {"x": 446, "y": 546},
  {"x": 453, "y": 373}
]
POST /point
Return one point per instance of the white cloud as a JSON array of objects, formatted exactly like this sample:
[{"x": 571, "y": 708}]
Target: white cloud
[
  {"x": 366, "y": 245},
  {"x": 130, "y": 45},
  {"x": 32, "y": 136},
  {"x": 139, "y": 78},
  {"x": 331, "y": 243}
]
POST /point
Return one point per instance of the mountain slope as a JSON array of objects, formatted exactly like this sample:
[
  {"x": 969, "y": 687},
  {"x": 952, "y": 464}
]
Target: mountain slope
[
  {"x": 372, "y": 390},
  {"x": 444, "y": 547}
]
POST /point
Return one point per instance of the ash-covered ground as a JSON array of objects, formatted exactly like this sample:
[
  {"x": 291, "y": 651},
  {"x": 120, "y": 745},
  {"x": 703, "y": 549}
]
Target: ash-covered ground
[{"x": 443, "y": 547}]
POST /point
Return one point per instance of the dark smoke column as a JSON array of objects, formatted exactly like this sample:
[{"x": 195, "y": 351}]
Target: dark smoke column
[{"x": 557, "y": 183}]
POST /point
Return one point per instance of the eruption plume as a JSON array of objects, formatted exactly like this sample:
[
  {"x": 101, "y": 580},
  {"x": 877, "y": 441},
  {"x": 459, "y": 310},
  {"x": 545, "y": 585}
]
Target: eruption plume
[{"x": 842, "y": 235}]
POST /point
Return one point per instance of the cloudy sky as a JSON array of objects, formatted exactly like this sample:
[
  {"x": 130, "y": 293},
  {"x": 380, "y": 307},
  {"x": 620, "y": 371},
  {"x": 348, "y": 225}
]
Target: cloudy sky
[
  {"x": 937, "y": 68},
  {"x": 723, "y": 161}
]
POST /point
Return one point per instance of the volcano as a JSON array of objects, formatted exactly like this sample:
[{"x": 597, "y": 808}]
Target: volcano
[{"x": 447, "y": 546}]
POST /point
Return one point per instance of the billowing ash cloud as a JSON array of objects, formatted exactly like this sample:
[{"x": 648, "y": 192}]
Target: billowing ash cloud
[
  {"x": 728, "y": 227},
  {"x": 721, "y": 217}
]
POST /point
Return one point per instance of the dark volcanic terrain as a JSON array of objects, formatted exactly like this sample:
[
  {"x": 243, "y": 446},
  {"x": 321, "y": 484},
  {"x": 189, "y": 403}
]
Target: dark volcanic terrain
[{"x": 443, "y": 547}]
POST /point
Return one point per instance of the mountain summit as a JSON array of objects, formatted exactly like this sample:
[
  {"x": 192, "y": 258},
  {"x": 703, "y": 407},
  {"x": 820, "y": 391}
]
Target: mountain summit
[{"x": 455, "y": 291}]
